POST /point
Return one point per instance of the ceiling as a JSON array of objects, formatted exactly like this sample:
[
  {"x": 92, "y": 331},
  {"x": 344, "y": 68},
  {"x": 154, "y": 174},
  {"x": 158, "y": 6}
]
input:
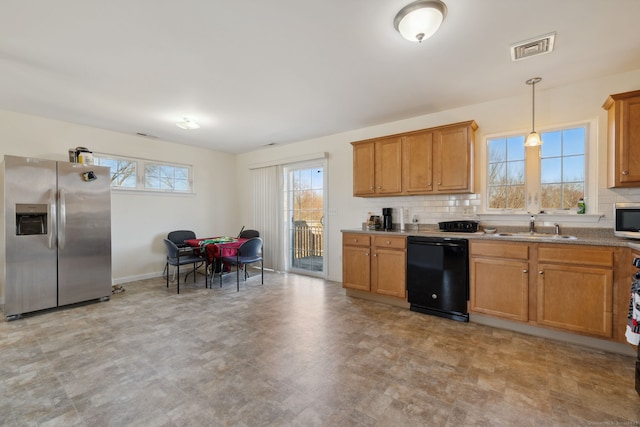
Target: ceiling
[{"x": 281, "y": 71}]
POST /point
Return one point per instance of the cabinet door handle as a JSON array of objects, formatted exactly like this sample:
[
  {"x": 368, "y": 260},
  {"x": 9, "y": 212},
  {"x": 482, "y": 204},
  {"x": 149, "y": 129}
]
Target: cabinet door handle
[
  {"x": 388, "y": 242},
  {"x": 367, "y": 254},
  {"x": 540, "y": 272},
  {"x": 625, "y": 172},
  {"x": 375, "y": 254},
  {"x": 525, "y": 271}
]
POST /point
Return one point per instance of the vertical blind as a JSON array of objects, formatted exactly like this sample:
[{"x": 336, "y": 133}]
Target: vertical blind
[{"x": 266, "y": 211}]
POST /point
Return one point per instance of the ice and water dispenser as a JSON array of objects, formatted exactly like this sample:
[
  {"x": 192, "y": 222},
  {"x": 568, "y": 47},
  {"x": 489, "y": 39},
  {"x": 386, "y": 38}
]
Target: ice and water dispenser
[{"x": 31, "y": 219}]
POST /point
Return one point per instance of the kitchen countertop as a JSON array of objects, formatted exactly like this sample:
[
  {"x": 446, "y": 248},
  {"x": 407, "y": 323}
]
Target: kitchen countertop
[{"x": 591, "y": 237}]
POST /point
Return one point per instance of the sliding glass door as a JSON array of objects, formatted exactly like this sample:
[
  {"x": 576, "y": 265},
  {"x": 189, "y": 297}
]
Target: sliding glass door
[{"x": 304, "y": 216}]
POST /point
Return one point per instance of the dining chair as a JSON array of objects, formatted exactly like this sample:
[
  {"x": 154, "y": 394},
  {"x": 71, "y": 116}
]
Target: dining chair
[
  {"x": 248, "y": 253},
  {"x": 176, "y": 258},
  {"x": 248, "y": 234},
  {"x": 178, "y": 237}
]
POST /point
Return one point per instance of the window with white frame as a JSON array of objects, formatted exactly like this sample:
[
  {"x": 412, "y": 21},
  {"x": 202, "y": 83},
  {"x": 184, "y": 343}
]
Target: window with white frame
[
  {"x": 560, "y": 167},
  {"x": 123, "y": 172},
  {"x": 506, "y": 173},
  {"x": 146, "y": 175}
]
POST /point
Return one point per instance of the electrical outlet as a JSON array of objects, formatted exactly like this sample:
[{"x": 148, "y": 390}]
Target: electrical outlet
[
  {"x": 468, "y": 210},
  {"x": 415, "y": 219}
]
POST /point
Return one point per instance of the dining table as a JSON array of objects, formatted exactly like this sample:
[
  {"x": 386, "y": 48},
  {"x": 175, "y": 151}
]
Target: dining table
[{"x": 214, "y": 248}]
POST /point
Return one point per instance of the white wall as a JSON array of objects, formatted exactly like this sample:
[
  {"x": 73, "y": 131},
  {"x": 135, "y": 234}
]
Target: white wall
[
  {"x": 139, "y": 220},
  {"x": 579, "y": 102}
]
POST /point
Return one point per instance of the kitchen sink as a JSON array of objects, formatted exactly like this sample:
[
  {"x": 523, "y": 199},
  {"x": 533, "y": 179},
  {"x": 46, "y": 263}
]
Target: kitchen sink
[{"x": 529, "y": 235}]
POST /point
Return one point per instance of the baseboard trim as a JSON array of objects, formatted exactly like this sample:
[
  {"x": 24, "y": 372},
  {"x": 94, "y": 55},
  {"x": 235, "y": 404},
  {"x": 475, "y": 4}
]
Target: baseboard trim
[{"x": 129, "y": 279}]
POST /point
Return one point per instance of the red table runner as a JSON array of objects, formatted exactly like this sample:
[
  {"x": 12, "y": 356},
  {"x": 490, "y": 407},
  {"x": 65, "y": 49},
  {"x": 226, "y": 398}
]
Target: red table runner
[{"x": 217, "y": 250}]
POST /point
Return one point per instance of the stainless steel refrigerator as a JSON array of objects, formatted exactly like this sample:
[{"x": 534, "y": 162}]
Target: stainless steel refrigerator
[{"x": 56, "y": 239}]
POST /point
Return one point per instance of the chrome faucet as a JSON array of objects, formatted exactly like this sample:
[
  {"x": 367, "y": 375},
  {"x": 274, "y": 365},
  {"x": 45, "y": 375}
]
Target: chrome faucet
[
  {"x": 532, "y": 224},
  {"x": 557, "y": 226}
]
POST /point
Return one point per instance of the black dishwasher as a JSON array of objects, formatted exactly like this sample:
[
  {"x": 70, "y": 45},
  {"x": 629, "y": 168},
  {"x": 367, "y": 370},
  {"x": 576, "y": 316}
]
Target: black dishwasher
[{"x": 438, "y": 276}]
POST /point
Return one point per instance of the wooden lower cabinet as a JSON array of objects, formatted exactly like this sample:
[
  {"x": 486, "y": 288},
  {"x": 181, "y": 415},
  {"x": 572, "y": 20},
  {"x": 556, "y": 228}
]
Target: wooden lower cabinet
[
  {"x": 389, "y": 266},
  {"x": 374, "y": 263},
  {"x": 356, "y": 261},
  {"x": 499, "y": 279},
  {"x": 572, "y": 287},
  {"x": 575, "y": 289}
]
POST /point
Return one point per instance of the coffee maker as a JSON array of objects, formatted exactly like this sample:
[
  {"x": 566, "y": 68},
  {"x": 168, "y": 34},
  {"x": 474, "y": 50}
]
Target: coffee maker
[{"x": 387, "y": 222}]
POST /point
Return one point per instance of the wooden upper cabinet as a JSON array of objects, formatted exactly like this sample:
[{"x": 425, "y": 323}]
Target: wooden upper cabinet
[
  {"x": 388, "y": 162},
  {"x": 428, "y": 161},
  {"x": 376, "y": 167},
  {"x": 453, "y": 159},
  {"x": 623, "y": 139},
  {"x": 364, "y": 169},
  {"x": 417, "y": 162}
]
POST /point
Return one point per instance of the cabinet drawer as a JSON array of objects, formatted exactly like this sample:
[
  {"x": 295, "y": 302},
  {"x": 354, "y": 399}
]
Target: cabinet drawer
[
  {"x": 584, "y": 256},
  {"x": 355, "y": 239},
  {"x": 390, "y": 242},
  {"x": 500, "y": 250}
]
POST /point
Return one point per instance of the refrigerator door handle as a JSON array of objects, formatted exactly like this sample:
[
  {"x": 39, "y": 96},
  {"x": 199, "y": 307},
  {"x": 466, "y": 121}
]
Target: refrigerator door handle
[
  {"x": 63, "y": 220},
  {"x": 52, "y": 217}
]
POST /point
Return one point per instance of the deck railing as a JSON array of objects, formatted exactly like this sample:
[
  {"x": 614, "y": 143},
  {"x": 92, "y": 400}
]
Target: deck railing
[{"x": 307, "y": 239}]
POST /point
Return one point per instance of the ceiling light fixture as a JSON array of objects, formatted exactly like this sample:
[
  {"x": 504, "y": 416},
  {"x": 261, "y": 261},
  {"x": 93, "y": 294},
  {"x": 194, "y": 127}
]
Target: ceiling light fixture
[
  {"x": 420, "y": 20},
  {"x": 187, "y": 124},
  {"x": 533, "y": 140}
]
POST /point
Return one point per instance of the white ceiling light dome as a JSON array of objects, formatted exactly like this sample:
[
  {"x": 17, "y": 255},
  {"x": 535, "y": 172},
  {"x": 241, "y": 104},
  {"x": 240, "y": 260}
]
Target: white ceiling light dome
[
  {"x": 187, "y": 124},
  {"x": 420, "y": 20}
]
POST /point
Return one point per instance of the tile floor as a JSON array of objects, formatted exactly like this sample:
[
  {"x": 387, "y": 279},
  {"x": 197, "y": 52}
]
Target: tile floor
[{"x": 294, "y": 352}]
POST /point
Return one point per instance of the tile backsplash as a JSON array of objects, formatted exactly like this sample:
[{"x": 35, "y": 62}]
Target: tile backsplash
[
  {"x": 445, "y": 207},
  {"x": 426, "y": 209}
]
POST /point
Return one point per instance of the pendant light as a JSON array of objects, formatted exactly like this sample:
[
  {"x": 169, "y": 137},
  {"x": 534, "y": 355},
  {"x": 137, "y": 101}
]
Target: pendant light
[
  {"x": 420, "y": 20},
  {"x": 533, "y": 140}
]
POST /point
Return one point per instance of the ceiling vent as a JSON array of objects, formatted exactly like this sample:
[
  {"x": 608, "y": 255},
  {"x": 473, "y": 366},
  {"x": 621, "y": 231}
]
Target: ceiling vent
[{"x": 532, "y": 47}]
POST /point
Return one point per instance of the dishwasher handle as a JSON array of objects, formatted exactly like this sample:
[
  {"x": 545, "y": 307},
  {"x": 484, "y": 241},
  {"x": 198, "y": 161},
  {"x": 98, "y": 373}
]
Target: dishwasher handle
[
  {"x": 448, "y": 244},
  {"x": 436, "y": 241}
]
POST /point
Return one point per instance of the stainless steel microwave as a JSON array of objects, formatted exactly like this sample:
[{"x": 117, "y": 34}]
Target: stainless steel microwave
[{"x": 627, "y": 220}]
